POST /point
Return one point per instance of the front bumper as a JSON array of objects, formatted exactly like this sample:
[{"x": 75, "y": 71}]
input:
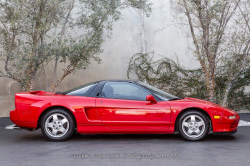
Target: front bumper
[
  {"x": 226, "y": 125},
  {"x": 225, "y": 133}
]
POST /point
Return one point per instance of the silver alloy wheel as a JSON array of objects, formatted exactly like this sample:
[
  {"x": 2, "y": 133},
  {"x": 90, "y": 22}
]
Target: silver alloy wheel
[
  {"x": 193, "y": 126},
  {"x": 57, "y": 125}
]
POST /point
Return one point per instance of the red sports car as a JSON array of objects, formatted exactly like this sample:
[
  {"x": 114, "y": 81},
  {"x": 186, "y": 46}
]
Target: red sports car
[{"x": 119, "y": 106}]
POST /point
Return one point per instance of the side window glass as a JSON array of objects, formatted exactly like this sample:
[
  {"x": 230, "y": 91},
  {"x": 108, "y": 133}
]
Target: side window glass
[
  {"x": 124, "y": 90},
  {"x": 82, "y": 90}
]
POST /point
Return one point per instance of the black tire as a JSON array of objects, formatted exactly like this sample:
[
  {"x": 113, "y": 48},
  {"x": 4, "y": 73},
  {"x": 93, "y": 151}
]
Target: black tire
[
  {"x": 193, "y": 127},
  {"x": 68, "y": 127}
]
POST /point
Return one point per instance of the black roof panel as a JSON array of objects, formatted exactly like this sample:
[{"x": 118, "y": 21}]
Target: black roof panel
[{"x": 119, "y": 80}]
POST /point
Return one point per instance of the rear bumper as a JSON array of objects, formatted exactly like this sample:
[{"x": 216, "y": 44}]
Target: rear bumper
[
  {"x": 14, "y": 117},
  {"x": 25, "y": 124}
]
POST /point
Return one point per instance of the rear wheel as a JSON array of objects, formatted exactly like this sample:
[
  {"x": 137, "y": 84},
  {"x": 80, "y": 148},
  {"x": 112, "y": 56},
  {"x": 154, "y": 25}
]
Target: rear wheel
[
  {"x": 57, "y": 125},
  {"x": 193, "y": 126}
]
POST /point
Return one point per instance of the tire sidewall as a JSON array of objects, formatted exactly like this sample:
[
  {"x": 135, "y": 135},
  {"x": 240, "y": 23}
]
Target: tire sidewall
[
  {"x": 201, "y": 115},
  {"x": 71, "y": 125}
]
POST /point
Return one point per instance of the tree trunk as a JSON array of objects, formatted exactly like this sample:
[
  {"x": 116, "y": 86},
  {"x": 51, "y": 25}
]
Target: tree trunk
[
  {"x": 53, "y": 88},
  {"x": 54, "y": 75},
  {"x": 46, "y": 81},
  {"x": 32, "y": 83},
  {"x": 66, "y": 73},
  {"x": 143, "y": 49},
  {"x": 211, "y": 91},
  {"x": 210, "y": 88},
  {"x": 62, "y": 34},
  {"x": 225, "y": 98}
]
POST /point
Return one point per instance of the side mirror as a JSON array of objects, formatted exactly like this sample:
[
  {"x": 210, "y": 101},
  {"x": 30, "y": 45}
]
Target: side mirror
[{"x": 151, "y": 99}]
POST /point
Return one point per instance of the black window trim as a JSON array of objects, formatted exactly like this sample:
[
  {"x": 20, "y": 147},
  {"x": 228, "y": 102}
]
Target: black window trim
[{"x": 97, "y": 90}]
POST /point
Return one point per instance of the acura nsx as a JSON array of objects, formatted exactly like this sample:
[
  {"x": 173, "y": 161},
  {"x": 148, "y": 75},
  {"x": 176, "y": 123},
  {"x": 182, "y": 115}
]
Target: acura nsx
[{"x": 119, "y": 107}]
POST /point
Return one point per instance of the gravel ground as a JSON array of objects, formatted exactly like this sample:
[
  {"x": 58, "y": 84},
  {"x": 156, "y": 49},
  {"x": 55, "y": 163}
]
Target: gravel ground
[{"x": 20, "y": 147}]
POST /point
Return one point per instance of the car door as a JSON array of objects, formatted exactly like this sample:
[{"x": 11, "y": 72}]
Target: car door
[{"x": 123, "y": 105}]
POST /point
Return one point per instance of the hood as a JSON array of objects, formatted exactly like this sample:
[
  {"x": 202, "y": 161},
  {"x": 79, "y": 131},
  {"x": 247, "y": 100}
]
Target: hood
[{"x": 201, "y": 101}]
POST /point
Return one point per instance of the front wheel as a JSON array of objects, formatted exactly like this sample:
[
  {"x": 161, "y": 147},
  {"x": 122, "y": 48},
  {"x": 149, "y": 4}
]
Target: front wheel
[
  {"x": 57, "y": 125},
  {"x": 193, "y": 126}
]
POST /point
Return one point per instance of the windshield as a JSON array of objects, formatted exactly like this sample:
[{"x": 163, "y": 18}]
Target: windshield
[{"x": 161, "y": 94}]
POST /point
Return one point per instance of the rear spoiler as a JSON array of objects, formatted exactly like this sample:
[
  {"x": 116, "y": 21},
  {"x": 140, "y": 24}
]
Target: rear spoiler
[{"x": 36, "y": 92}]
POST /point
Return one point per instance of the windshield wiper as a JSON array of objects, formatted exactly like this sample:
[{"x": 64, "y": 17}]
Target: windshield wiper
[
  {"x": 177, "y": 98},
  {"x": 61, "y": 93}
]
